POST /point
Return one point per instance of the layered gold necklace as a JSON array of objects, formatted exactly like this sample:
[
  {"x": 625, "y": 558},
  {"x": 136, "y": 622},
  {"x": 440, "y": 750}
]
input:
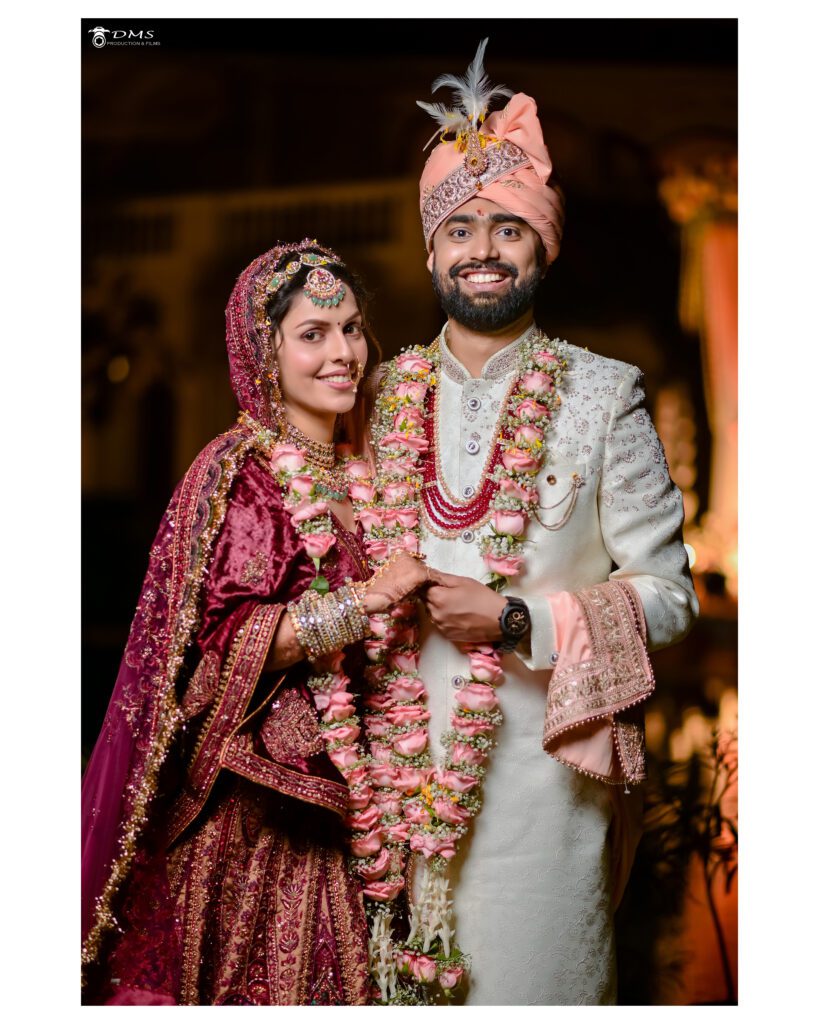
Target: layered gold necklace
[{"x": 322, "y": 459}]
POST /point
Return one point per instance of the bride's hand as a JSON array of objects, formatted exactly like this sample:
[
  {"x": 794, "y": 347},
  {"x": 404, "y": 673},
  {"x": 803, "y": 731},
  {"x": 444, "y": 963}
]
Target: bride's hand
[{"x": 402, "y": 576}]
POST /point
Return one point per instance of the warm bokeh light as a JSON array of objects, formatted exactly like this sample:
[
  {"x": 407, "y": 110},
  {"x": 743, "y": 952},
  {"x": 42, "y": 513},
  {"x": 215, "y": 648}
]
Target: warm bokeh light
[{"x": 118, "y": 369}]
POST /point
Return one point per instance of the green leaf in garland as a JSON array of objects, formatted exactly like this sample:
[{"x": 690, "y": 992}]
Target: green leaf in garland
[{"x": 320, "y": 584}]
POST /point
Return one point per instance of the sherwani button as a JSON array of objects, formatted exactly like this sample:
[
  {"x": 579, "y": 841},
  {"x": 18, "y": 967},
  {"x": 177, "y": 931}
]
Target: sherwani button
[
  {"x": 554, "y": 657},
  {"x": 473, "y": 404},
  {"x": 551, "y": 479},
  {"x": 468, "y": 536},
  {"x": 473, "y": 447},
  {"x": 458, "y": 682},
  {"x": 468, "y": 491}
]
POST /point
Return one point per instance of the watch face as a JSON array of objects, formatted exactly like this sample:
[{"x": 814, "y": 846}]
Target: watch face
[{"x": 516, "y": 621}]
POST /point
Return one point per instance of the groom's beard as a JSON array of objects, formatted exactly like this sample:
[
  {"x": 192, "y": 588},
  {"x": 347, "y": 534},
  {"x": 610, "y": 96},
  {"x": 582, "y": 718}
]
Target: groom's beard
[{"x": 487, "y": 312}]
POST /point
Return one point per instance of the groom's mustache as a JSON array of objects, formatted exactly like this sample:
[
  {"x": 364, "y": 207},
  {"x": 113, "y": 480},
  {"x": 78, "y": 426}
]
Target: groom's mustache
[{"x": 508, "y": 268}]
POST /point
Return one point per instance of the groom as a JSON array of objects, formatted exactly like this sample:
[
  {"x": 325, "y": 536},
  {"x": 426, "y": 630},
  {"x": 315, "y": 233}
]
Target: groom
[{"x": 585, "y": 561}]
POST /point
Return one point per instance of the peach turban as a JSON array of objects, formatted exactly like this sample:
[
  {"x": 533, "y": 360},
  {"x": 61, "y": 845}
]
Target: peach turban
[{"x": 515, "y": 176}]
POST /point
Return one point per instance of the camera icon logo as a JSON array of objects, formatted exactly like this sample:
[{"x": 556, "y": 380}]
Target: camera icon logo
[{"x": 98, "y": 36}]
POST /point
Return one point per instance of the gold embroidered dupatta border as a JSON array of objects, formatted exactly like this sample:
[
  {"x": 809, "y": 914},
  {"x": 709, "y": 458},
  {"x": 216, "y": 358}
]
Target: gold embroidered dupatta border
[{"x": 200, "y": 513}]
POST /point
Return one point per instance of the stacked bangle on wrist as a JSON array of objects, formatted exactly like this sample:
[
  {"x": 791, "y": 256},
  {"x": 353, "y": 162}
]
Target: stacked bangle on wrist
[{"x": 326, "y": 623}]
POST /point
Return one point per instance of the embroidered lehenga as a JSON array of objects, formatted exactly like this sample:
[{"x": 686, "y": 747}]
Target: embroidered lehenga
[{"x": 214, "y": 863}]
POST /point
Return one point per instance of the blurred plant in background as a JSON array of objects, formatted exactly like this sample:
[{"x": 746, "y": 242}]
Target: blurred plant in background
[{"x": 689, "y": 849}]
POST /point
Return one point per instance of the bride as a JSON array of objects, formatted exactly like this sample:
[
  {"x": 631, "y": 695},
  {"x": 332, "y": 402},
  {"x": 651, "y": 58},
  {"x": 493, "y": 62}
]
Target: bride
[{"x": 228, "y": 765}]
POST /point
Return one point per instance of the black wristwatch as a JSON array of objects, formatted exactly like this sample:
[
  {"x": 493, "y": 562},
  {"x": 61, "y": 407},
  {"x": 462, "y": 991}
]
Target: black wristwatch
[{"x": 514, "y": 623}]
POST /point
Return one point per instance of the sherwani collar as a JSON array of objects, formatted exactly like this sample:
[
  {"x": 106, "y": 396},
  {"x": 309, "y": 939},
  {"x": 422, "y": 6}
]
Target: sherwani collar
[{"x": 498, "y": 366}]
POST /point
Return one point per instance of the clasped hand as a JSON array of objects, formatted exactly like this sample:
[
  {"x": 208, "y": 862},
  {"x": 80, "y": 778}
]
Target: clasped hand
[{"x": 462, "y": 609}]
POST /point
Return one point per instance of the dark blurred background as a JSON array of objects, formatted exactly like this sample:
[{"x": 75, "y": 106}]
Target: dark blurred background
[{"x": 205, "y": 142}]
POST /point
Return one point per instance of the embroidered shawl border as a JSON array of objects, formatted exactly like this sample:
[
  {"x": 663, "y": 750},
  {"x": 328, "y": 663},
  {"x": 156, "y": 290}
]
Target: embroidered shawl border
[
  {"x": 200, "y": 512},
  {"x": 616, "y": 677}
]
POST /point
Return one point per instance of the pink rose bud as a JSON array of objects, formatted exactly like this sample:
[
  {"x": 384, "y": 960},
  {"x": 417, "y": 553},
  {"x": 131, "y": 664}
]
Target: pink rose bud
[
  {"x": 376, "y": 649},
  {"x": 343, "y": 757},
  {"x": 308, "y": 510},
  {"x": 322, "y": 700},
  {"x": 399, "y": 465},
  {"x": 424, "y": 969},
  {"x": 413, "y": 390},
  {"x": 503, "y": 565},
  {"x": 536, "y": 381},
  {"x": 429, "y": 845},
  {"x": 408, "y": 418},
  {"x": 377, "y": 550},
  {"x": 317, "y": 544},
  {"x": 381, "y": 753},
  {"x": 410, "y": 780},
  {"x": 377, "y": 701},
  {"x": 287, "y": 457},
  {"x": 369, "y": 517},
  {"x": 406, "y": 688},
  {"x": 477, "y": 697},
  {"x": 374, "y": 869},
  {"x": 471, "y": 726},
  {"x": 384, "y": 891},
  {"x": 485, "y": 669},
  {"x": 408, "y": 362},
  {"x": 518, "y": 460},
  {"x": 529, "y": 410},
  {"x": 363, "y": 820},
  {"x": 357, "y": 775},
  {"x": 410, "y": 743},
  {"x": 358, "y": 469},
  {"x": 459, "y": 782},
  {"x": 527, "y": 434},
  {"x": 382, "y": 627},
  {"x": 302, "y": 486},
  {"x": 359, "y": 798},
  {"x": 403, "y": 962},
  {"x": 462, "y": 753},
  {"x": 367, "y": 845},
  {"x": 513, "y": 523},
  {"x": 544, "y": 358},
  {"x": 408, "y": 541},
  {"x": 406, "y": 714},
  {"x": 344, "y": 733},
  {"x": 362, "y": 492},
  {"x": 449, "y": 978},
  {"x": 376, "y": 725},
  {"x": 383, "y": 775},
  {"x": 387, "y": 802},
  {"x": 396, "y": 493},
  {"x": 399, "y": 833},
  {"x": 417, "y": 814},
  {"x": 395, "y": 439},
  {"x": 407, "y": 517},
  {"x": 514, "y": 489},
  {"x": 450, "y": 812},
  {"x": 403, "y": 661},
  {"x": 340, "y": 706}
]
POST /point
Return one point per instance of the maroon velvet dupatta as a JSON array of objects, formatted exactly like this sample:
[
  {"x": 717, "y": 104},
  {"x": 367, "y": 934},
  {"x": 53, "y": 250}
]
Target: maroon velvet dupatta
[{"x": 223, "y": 563}]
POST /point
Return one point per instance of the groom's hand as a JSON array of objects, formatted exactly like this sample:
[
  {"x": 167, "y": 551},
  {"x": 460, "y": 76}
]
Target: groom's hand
[{"x": 464, "y": 610}]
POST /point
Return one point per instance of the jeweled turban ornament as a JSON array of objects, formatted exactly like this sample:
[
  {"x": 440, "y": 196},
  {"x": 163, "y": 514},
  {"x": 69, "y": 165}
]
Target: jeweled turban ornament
[{"x": 501, "y": 155}]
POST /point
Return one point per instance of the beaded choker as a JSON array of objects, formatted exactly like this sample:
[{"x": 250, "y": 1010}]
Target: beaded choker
[{"x": 320, "y": 453}]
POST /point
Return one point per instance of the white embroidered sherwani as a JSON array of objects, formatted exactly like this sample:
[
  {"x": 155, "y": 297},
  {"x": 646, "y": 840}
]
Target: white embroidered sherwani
[{"x": 531, "y": 884}]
